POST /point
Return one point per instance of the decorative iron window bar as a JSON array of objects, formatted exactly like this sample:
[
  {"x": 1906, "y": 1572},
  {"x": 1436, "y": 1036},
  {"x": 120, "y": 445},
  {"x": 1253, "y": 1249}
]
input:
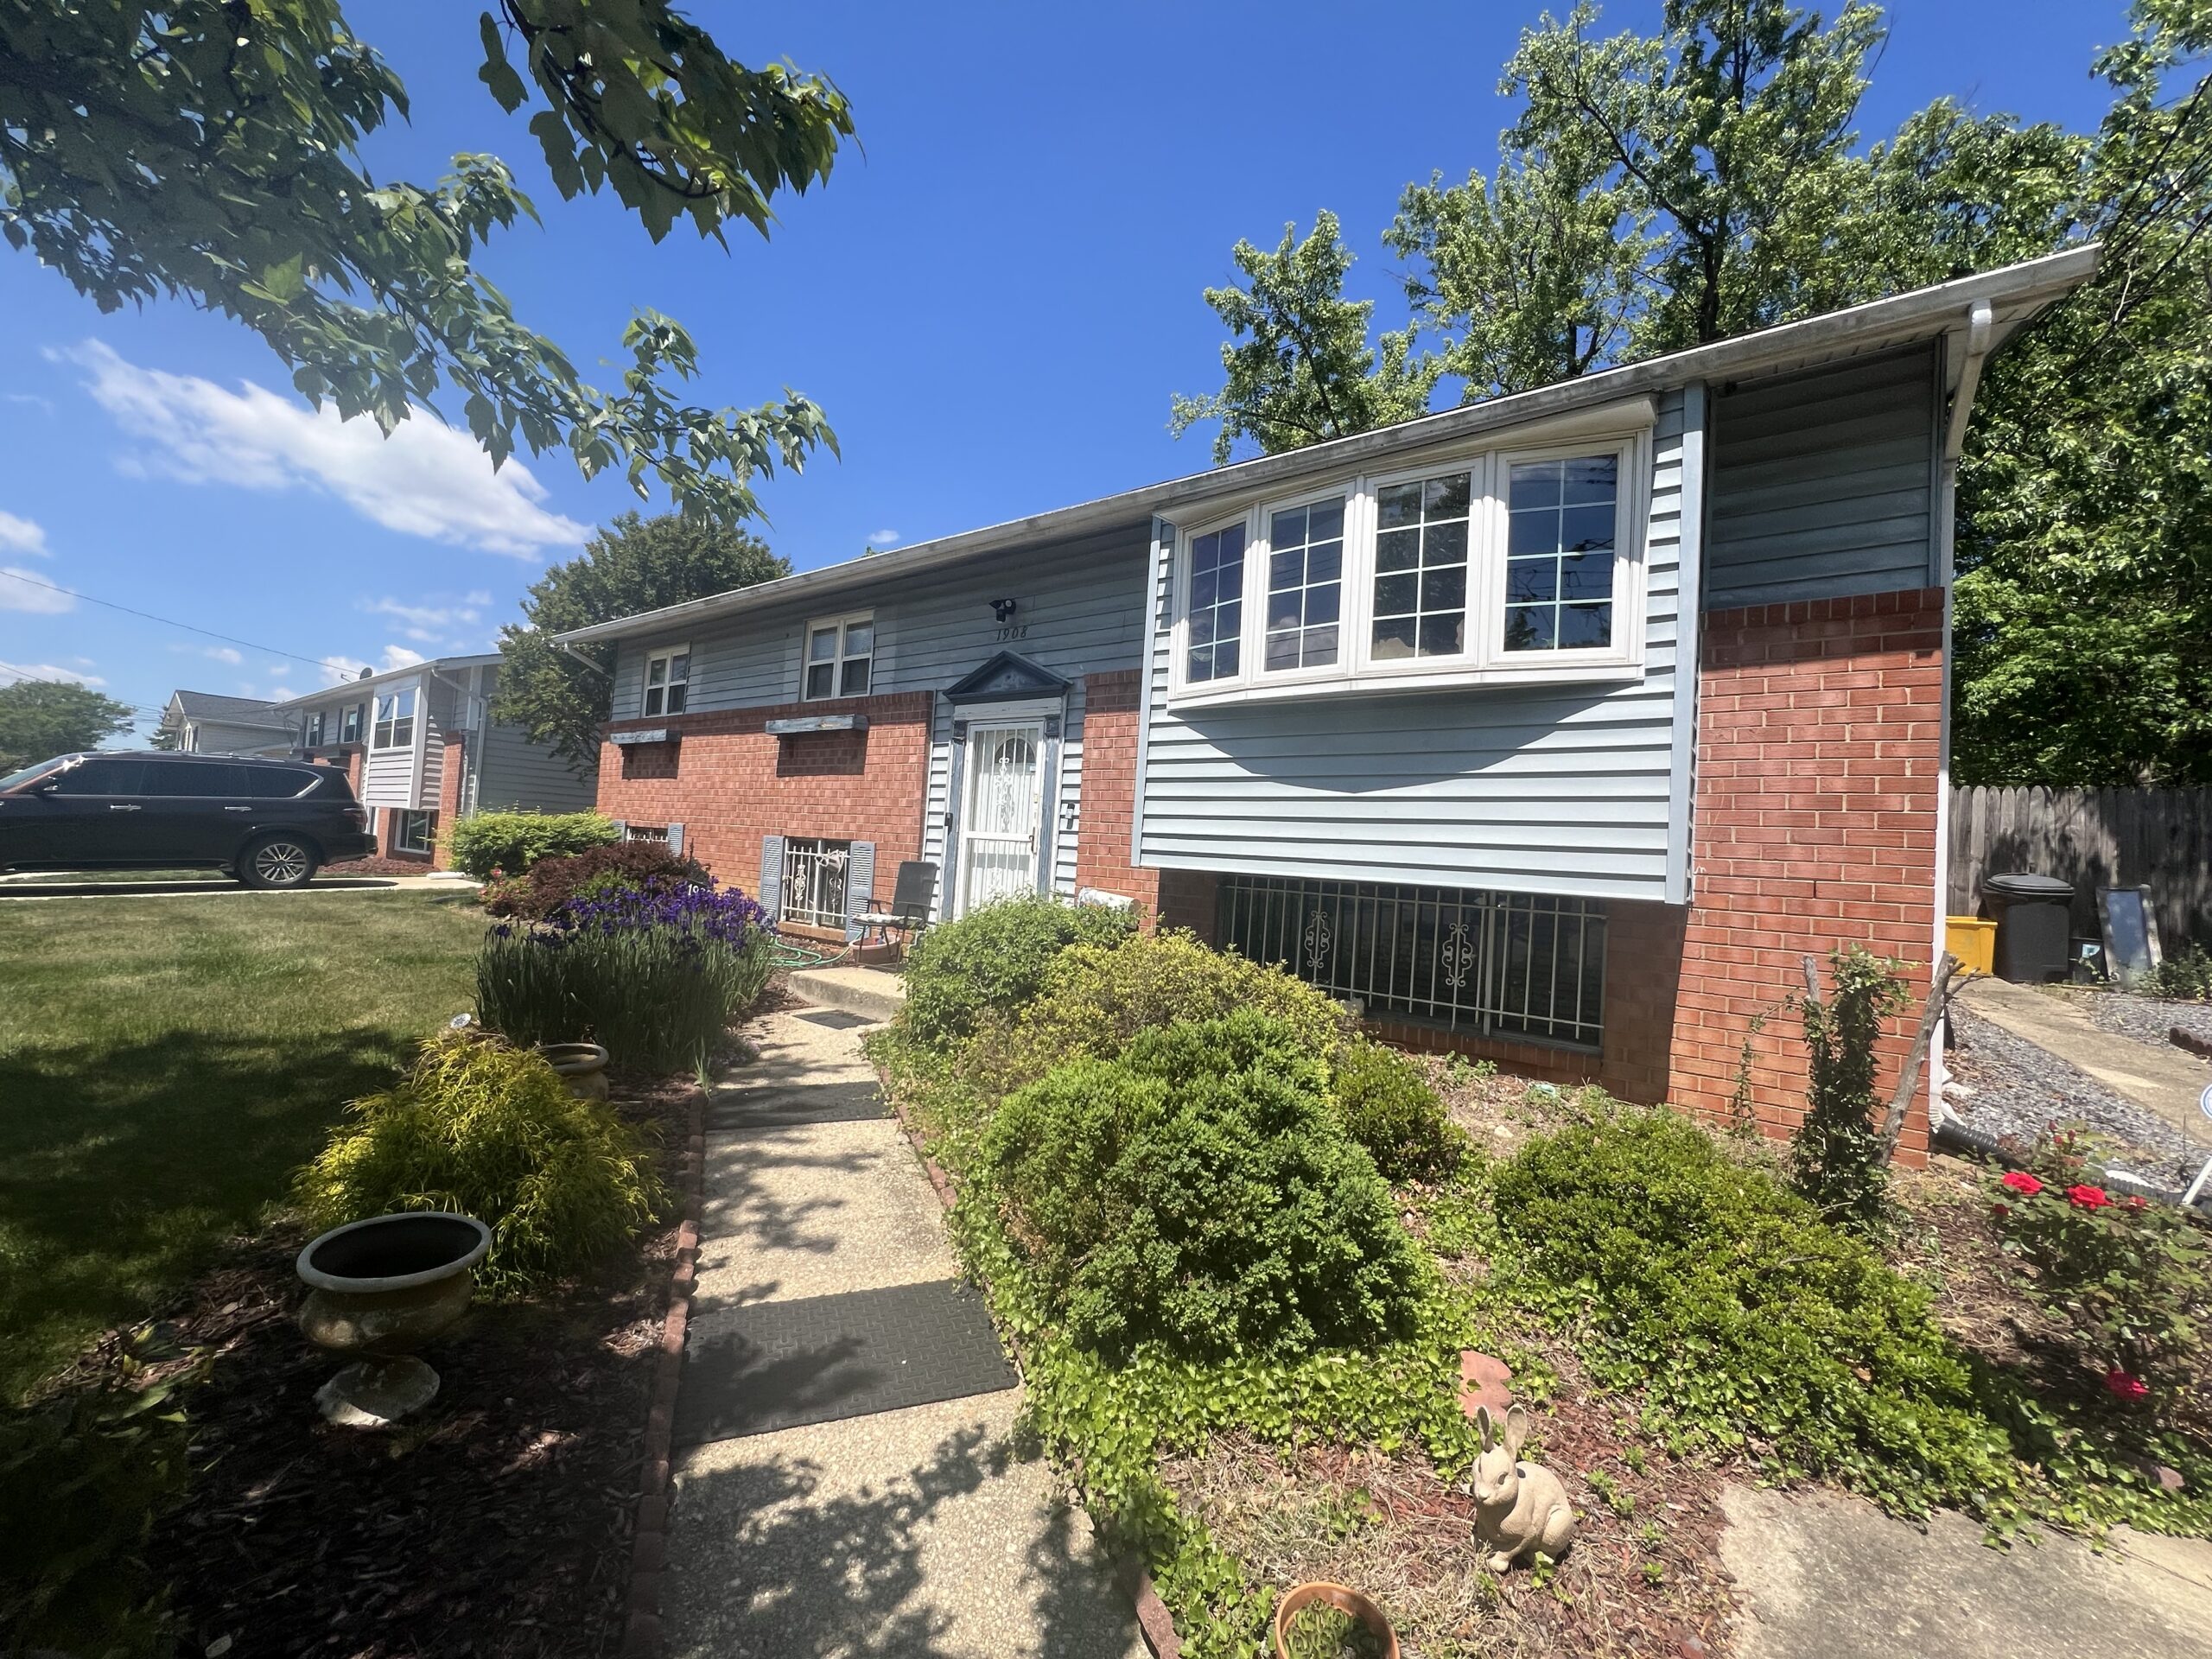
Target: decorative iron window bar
[
  {"x": 646, "y": 832},
  {"x": 1504, "y": 964},
  {"x": 814, "y": 881}
]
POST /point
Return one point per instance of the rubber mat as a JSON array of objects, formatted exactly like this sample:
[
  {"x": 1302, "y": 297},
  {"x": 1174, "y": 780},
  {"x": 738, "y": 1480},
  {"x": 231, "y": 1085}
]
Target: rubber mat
[
  {"x": 813, "y": 1102},
  {"x": 770, "y": 1365},
  {"x": 836, "y": 1018}
]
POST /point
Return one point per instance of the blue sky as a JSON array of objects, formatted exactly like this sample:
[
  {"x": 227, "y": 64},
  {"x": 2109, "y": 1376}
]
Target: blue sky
[{"x": 993, "y": 298}]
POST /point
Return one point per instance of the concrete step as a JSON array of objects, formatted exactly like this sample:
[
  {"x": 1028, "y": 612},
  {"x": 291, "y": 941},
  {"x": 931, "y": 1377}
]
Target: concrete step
[{"x": 868, "y": 992}]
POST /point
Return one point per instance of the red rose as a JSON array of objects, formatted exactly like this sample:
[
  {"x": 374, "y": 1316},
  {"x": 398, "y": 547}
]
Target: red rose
[
  {"x": 2023, "y": 1183},
  {"x": 2088, "y": 1197},
  {"x": 2123, "y": 1386},
  {"x": 2139, "y": 1202}
]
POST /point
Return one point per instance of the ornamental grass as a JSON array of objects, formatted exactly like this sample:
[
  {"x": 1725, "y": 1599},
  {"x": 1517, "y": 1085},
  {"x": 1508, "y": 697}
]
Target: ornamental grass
[{"x": 655, "y": 971}]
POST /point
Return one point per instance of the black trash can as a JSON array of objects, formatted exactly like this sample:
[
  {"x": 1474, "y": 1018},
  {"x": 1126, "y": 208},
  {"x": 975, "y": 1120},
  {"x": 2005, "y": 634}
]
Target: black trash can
[{"x": 2032, "y": 913}]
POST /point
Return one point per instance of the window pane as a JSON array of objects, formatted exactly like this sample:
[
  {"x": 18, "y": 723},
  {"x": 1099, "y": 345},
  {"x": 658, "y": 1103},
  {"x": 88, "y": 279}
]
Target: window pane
[
  {"x": 1321, "y": 604},
  {"x": 1397, "y": 549},
  {"x": 171, "y": 779},
  {"x": 1530, "y": 533},
  {"x": 1303, "y": 578},
  {"x": 1394, "y": 637},
  {"x": 101, "y": 777},
  {"x": 1215, "y": 612},
  {"x": 1325, "y": 561},
  {"x": 1398, "y": 504},
  {"x": 653, "y": 695},
  {"x": 1282, "y": 650},
  {"x": 1444, "y": 544},
  {"x": 1585, "y": 627},
  {"x": 1528, "y": 580},
  {"x": 820, "y": 680},
  {"x": 1287, "y": 529},
  {"x": 1586, "y": 575},
  {"x": 1582, "y": 529},
  {"x": 656, "y": 670},
  {"x": 1441, "y": 635},
  {"x": 1321, "y": 646},
  {"x": 854, "y": 683},
  {"x": 1445, "y": 497},
  {"x": 823, "y": 646},
  {"x": 1528, "y": 627},
  {"x": 679, "y": 667},
  {"x": 1593, "y": 478},
  {"x": 269, "y": 784},
  {"x": 1283, "y": 609},
  {"x": 1446, "y": 590},
  {"x": 677, "y": 696},
  {"x": 859, "y": 638},
  {"x": 1536, "y": 484},
  {"x": 1285, "y": 569},
  {"x": 1394, "y": 595},
  {"x": 1325, "y": 522}
]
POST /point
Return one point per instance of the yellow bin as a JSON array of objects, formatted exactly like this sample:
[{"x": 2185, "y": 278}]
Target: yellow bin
[{"x": 1972, "y": 940}]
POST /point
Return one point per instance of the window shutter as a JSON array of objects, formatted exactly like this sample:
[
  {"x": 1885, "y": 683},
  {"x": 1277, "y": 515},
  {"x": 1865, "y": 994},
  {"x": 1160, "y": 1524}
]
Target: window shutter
[
  {"x": 772, "y": 876},
  {"x": 860, "y": 885},
  {"x": 675, "y": 837}
]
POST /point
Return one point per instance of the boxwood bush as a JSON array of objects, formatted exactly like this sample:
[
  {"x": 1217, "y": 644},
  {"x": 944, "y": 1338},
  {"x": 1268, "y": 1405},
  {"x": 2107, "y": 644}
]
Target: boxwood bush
[
  {"x": 1391, "y": 1111},
  {"x": 992, "y": 960},
  {"x": 512, "y": 841},
  {"x": 1744, "y": 1316},
  {"x": 1201, "y": 1191},
  {"x": 1094, "y": 1000},
  {"x": 490, "y": 1131}
]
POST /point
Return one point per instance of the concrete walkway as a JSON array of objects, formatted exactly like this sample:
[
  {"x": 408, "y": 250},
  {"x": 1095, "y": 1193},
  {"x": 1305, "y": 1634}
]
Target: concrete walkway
[
  {"x": 846, "y": 1482},
  {"x": 1822, "y": 1576},
  {"x": 2165, "y": 1081}
]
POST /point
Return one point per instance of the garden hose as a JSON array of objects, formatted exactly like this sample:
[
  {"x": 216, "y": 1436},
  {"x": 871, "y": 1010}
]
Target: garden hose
[{"x": 787, "y": 953}]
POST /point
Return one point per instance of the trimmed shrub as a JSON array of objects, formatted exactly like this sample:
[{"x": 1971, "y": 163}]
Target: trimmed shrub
[
  {"x": 1744, "y": 1315},
  {"x": 1094, "y": 1000},
  {"x": 513, "y": 842},
  {"x": 1391, "y": 1111},
  {"x": 992, "y": 960},
  {"x": 1200, "y": 1191},
  {"x": 553, "y": 881},
  {"x": 655, "y": 972},
  {"x": 490, "y": 1131}
]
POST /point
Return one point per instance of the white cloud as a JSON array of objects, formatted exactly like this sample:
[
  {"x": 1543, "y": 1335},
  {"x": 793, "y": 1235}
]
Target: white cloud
[
  {"x": 336, "y": 670},
  {"x": 22, "y": 535},
  {"x": 10, "y": 672},
  {"x": 425, "y": 480},
  {"x": 215, "y": 653},
  {"x": 885, "y": 538},
  {"x": 21, "y": 591},
  {"x": 431, "y": 623},
  {"x": 400, "y": 657}
]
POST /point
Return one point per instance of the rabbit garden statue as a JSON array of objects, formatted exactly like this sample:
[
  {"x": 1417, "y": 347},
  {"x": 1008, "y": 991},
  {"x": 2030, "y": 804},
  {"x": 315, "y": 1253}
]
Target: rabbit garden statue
[{"x": 1519, "y": 1508}]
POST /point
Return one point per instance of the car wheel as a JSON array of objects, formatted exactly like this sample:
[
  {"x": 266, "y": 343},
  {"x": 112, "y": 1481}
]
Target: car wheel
[{"x": 277, "y": 862}]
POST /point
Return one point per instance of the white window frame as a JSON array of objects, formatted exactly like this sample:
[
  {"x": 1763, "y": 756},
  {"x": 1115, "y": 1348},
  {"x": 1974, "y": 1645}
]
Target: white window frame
[
  {"x": 406, "y": 705},
  {"x": 807, "y": 662},
  {"x": 1484, "y": 660},
  {"x": 646, "y": 688},
  {"x": 351, "y": 719},
  {"x": 314, "y": 733},
  {"x": 402, "y": 818}
]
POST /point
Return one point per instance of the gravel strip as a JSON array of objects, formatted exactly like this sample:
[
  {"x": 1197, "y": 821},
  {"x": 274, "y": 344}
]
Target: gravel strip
[
  {"x": 2015, "y": 1090},
  {"x": 2146, "y": 1018}
]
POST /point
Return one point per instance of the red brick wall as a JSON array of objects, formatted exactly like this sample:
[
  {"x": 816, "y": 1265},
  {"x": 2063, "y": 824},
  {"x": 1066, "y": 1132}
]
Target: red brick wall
[
  {"x": 729, "y": 783},
  {"x": 448, "y": 802},
  {"x": 1110, "y": 703},
  {"x": 1819, "y": 774}
]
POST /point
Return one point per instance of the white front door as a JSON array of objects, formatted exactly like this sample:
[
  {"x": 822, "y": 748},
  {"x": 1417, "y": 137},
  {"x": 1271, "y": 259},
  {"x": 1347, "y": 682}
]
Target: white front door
[{"x": 1001, "y": 817}]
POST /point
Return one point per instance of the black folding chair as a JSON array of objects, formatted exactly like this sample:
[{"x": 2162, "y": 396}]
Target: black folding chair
[{"x": 909, "y": 909}]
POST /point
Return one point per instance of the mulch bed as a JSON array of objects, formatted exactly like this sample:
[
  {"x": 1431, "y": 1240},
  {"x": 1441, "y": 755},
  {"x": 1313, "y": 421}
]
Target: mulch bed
[{"x": 497, "y": 1523}]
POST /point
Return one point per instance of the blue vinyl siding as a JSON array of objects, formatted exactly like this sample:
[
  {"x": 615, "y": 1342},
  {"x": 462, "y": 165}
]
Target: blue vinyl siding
[
  {"x": 1823, "y": 482},
  {"x": 1557, "y": 789}
]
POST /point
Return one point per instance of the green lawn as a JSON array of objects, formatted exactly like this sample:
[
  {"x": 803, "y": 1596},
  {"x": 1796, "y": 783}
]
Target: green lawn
[{"x": 164, "y": 1065}]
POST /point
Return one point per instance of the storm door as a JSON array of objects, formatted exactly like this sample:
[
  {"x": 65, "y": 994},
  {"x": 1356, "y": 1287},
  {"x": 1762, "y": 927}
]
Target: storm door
[{"x": 1002, "y": 813}]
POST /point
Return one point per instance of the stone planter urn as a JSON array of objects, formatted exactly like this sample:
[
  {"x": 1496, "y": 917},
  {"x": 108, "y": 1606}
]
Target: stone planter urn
[
  {"x": 1384, "y": 1639},
  {"x": 378, "y": 1290},
  {"x": 583, "y": 1066}
]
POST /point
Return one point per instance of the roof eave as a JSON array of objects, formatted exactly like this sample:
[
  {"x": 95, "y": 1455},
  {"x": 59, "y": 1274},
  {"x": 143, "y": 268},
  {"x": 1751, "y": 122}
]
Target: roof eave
[{"x": 1923, "y": 314}]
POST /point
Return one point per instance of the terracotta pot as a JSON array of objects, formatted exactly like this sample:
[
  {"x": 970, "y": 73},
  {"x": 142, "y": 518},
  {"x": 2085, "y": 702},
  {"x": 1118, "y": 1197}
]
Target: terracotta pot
[
  {"x": 379, "y": 1289},
  {"x": 583, "y": 1066},
  {"x": 1344, "y": 1600}
]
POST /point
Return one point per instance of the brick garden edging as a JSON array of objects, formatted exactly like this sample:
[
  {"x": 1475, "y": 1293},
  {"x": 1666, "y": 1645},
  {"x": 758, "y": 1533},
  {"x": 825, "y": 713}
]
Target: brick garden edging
[
  {"x": 641, "y": 1632},
  {"x": 1153, "y": 1620}
]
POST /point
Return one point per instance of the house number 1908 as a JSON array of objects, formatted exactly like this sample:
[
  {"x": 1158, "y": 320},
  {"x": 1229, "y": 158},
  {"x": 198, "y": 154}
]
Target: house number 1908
[{"x": 1014, "y": 631}]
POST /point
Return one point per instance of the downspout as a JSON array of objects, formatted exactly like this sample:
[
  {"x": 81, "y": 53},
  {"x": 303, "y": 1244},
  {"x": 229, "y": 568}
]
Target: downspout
[{"x": 1980, "y": 325}]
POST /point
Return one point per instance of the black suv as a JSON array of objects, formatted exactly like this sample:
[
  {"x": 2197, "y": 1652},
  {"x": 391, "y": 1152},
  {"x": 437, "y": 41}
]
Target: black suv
[{"x": 271, "y": 823}]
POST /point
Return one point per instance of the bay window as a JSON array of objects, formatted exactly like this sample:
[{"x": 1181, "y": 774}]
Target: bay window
[{"x": 1518, "y": 565}]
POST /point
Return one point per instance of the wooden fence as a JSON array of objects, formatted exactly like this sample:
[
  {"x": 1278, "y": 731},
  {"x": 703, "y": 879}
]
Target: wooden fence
[{"x": 2158, "y": 838}]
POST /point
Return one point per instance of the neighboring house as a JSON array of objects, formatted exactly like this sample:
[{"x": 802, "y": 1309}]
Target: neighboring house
[
  {"x": 203, "y": 722},
  {"x": 1557, "y": 728},
  {"x": 422, "y": 750}
]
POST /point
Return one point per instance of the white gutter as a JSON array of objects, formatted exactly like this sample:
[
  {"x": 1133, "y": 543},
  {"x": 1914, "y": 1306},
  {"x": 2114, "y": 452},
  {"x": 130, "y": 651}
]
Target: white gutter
[{"x": 1895, "y": 320}]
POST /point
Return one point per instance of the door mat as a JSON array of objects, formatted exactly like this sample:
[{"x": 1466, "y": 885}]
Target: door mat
[
  {"x": 812, "y": 1103},
  {"x": 837, "y": 1019},
  {"x": 818, "y": 1360}
]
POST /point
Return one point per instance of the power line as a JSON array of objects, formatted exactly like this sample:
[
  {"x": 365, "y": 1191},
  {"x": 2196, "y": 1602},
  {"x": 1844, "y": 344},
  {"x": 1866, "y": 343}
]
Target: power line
[
  {"x": 24, "y": 675},
  {"x": 166, "y": 621}
]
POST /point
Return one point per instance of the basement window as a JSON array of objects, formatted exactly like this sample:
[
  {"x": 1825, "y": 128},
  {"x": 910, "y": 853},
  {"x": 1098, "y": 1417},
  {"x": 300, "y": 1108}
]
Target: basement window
[
  {"x": 414, "y": 832},
  {"x": 814, "y": 880}
]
